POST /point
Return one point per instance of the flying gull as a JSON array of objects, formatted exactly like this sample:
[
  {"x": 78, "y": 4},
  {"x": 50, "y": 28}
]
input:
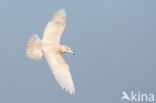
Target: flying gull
[{"x": 51, "y": 48}]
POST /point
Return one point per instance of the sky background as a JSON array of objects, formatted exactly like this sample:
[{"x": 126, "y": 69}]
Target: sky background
[{"x": 114, "y": 42}]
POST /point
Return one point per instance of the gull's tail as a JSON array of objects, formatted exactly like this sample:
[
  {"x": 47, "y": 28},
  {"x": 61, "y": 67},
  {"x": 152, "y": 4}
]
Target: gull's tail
[{"x": 34, "y": 48}]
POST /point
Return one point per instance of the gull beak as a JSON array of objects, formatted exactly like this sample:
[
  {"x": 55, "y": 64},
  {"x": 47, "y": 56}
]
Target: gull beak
[{"x": 73, "y": 53}]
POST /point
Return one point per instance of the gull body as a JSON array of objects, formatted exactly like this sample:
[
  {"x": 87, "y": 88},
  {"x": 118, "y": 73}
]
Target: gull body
[{"x": 51, "y": 48}]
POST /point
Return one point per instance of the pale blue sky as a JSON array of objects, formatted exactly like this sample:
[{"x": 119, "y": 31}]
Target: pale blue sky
[{"x": 114, "y": 41}]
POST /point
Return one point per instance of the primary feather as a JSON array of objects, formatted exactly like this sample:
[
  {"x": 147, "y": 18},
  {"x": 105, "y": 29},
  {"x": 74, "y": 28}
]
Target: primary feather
[{"x": 50, "y": 47}]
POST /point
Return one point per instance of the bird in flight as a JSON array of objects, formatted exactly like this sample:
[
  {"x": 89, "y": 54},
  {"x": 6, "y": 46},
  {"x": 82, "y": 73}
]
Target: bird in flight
[{"x": 51, "y": 48}]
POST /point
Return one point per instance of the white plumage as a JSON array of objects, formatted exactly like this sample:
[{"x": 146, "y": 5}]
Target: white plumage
[{"x": 52, "y": 50}]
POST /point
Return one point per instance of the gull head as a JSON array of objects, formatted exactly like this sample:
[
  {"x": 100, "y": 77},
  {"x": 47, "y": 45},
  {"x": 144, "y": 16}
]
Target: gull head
[{"x": 65, "y": 49}]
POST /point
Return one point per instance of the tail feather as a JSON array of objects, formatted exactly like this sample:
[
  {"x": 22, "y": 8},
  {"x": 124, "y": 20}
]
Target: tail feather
[{"x": 34, "y": 48}]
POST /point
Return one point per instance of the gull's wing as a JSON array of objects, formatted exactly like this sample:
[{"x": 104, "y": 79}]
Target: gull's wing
[
  {"x": 60, "y": 70},
  {"x": 55, "y": 27}
]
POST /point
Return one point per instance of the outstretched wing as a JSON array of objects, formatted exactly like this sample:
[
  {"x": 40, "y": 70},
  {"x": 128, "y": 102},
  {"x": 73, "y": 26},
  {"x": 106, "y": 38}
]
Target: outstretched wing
[
  {"x": 60, "y": 70},
  {"x": 55, "y": 27}
]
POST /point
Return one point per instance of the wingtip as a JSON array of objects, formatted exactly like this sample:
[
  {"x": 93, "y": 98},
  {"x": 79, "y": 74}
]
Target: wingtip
[
  {"x": 60, "y": 16},
  {"x": 72, "y": 93},
  {"x": 62, "y": 11}
]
